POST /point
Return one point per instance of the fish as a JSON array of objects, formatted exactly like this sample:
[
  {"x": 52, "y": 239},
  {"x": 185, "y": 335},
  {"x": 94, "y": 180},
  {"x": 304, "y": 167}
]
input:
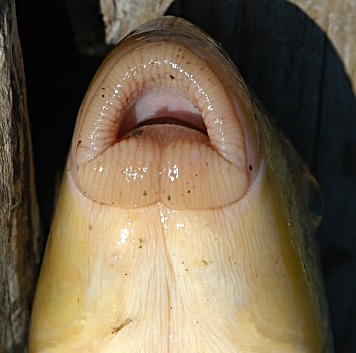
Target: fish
[{"x": 185, "y": 219}]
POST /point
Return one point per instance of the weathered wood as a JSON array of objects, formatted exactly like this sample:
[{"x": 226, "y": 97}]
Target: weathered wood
[
  {"x": 19, "y": 222},
  {"x": 91, "y": 18},
  {"x": 122, "y": 16}
]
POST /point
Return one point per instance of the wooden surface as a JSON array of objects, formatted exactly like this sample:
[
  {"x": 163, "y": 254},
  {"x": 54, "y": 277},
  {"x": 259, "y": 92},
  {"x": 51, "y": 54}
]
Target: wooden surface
[
  {"x": 122, "y": 16},
  {"x": 19, "y": 227},
  {"x": 300, "y": 60}
]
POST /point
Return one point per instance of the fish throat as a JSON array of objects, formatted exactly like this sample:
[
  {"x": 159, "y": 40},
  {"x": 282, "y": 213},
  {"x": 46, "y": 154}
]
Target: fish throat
[{"x": 161, "y": 127}]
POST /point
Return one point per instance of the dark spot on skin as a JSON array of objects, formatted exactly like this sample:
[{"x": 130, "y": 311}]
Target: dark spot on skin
[
  {"x": 144, "y": 193},
  {"x": 172, "y": 77},
  {"x": 137, "y": 132},
  {"x": 250, "y": 167},
  {"x": 90, "y": 227},
  {"x": 205, "y": 262},
  {"x": 103, "y": 95},
  {"x": 118, "y": 328},
  {"x": 188, "y": 191},
  {"x": 169, "y": 198},
  {"x": 207, "y": 164}
]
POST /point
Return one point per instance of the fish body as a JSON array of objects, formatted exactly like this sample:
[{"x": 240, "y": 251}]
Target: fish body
[{"x": 183, "y": 220}]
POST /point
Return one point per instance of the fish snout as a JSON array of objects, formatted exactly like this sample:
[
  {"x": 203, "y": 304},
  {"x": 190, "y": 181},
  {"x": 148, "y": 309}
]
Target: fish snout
[{"x": 165, "y": 120}]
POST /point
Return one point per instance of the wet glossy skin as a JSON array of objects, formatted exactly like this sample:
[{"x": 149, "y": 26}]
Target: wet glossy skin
[{"x": 169, "y": 238}]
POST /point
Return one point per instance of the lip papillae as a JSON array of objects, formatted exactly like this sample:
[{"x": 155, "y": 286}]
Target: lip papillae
[{"x": 190, "y": 134}]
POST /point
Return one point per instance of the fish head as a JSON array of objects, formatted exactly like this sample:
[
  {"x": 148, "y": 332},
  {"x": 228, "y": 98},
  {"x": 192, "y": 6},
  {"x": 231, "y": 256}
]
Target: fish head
[{"x": 183, "y": 221}]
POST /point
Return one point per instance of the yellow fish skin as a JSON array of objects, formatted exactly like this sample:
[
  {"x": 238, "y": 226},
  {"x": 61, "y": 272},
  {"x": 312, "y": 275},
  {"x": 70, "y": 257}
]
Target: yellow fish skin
[{"x": 183, "y": 221}]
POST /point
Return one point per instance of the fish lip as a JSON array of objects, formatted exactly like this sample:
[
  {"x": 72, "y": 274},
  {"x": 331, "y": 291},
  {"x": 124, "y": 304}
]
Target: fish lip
[{"x": 177, "y": 30}]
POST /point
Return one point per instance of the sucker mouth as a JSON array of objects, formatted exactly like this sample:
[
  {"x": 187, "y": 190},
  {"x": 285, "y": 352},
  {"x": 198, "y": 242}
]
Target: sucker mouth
[
  {"x": 183, "y": 101},
  {"x": 172, "y": 76}
]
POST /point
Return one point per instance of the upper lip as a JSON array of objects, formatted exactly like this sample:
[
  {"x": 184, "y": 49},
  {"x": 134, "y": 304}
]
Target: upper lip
[{"x": 221, "y": 112}]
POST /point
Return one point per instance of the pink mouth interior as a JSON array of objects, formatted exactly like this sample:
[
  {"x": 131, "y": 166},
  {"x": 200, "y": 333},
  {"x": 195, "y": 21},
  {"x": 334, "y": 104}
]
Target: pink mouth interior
[{"x": 161, "y": 105}]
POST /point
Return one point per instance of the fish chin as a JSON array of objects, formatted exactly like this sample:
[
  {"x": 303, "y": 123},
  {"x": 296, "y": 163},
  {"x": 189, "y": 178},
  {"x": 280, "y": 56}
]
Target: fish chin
[{"x": 162, "y": 123}]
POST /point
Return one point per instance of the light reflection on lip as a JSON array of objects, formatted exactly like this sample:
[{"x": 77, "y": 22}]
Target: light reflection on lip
[
  {"x": 180, "y": 226},
  {"x": 173, "y": 173},
  {"x": 124, "y": 235}
]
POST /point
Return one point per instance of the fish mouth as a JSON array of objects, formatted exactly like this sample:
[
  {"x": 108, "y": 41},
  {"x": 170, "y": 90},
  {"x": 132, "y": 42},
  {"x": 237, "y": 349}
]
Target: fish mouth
[
  {"x": 164, "y": 120},
  {"x": 158, "y": 106}
]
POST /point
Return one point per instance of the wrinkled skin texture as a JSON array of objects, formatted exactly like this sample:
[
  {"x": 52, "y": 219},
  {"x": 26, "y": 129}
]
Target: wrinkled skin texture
[{"x": 193, "y": 236}]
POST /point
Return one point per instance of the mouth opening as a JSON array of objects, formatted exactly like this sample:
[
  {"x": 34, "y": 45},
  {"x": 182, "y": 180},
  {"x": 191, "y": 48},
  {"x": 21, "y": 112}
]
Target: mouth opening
[{"x": 160, "y": 106}]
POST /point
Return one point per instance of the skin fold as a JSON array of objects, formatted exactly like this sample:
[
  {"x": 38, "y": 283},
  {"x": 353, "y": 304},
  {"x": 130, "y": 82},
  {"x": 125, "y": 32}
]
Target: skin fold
[{"x": 183, "y": 221}]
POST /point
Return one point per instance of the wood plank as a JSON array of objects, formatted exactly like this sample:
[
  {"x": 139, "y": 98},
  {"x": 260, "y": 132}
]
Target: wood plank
[{"x": 19, "y": 222}]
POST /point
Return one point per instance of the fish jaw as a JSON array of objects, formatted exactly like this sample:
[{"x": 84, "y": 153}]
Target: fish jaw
[{"x": 172, "y": 238}]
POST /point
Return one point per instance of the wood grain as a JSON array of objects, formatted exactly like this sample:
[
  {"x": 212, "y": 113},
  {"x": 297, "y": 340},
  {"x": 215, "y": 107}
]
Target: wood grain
[{"x": 19, "y": 222}]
